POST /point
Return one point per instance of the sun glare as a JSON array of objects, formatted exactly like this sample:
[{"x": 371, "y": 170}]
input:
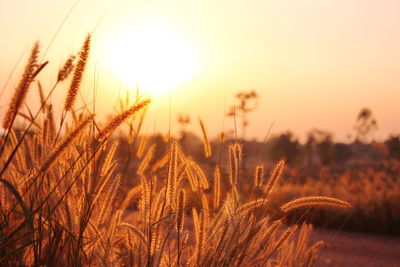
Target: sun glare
[{"x": 152, "y": 56}]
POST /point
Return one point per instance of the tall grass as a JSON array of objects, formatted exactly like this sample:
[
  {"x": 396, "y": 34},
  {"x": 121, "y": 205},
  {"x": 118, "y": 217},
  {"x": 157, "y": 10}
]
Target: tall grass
[{"x": 63, "y": 201}]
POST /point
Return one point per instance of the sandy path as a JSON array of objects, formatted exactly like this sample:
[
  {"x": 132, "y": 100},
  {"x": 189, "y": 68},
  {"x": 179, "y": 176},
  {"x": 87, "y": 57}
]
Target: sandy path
[{"x": 355, "y": 249}]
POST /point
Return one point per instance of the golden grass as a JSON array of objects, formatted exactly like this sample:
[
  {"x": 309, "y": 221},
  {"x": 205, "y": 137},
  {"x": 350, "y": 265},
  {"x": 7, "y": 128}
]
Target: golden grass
[
  {"x": 314, "y": 201},
  {"x": 65, "y": 203},
  {"x": 22, "y": 88},
  {"x": 259, "y": 175},
  {"x": 78, "y": 74},
  {"x": 207, "y": 145}
]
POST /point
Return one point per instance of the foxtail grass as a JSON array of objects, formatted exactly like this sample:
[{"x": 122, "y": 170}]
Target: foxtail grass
[
  {"x": 315, "y": 201},
  {"x": 64, "y": 200}
]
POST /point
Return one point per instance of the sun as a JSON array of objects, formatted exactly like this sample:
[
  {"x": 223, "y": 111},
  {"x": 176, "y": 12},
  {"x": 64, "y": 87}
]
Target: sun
[{"x": 154, "y": 57}]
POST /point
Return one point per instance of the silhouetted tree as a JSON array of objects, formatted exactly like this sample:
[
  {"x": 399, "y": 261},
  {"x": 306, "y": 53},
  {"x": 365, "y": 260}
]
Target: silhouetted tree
[{"x": 365, "y": 125}]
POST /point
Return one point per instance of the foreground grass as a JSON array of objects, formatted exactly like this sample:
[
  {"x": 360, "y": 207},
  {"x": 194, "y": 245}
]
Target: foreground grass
[{"x": 61, "y": 202}]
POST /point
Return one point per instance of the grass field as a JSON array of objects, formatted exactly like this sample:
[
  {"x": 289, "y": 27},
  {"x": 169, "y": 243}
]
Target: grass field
[{"x": 67, "y": 200}]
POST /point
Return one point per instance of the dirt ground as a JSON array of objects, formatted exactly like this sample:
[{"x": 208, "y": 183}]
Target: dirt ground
[{"x": 356, "y": 249}]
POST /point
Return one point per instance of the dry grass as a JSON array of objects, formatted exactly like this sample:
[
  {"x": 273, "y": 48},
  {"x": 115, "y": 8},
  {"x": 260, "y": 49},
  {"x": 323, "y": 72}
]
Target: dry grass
[
  {"x": 62, "y": 203},
  {"x": 312, "y": 201},
  {"x": 373, "y": 191}
]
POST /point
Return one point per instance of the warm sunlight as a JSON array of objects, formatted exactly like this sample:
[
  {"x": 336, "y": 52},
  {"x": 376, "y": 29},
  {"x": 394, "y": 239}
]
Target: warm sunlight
[
  {"x": 155, "y": 57},
  {"x": 199, "y": 133}
]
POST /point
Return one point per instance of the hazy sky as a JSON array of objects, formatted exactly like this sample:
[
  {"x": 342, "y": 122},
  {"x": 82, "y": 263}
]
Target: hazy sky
[{"x": 315, "y": 64}]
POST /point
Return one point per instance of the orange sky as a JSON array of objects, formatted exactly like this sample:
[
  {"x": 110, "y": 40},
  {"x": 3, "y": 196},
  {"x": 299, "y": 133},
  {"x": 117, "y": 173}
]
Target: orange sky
[{"x": 314, "y": 63}]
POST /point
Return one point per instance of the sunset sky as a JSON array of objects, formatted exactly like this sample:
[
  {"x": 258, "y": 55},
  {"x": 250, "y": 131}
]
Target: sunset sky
[{"x": 315, "y": 64}]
